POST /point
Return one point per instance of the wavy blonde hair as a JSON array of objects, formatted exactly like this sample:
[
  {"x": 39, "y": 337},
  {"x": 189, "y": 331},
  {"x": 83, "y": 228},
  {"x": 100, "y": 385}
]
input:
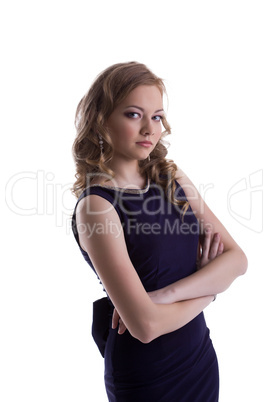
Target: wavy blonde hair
[{"x": 109, "y": 89}]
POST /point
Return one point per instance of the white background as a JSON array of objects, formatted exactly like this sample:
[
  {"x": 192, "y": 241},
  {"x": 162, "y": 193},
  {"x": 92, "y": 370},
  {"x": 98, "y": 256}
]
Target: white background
[{"x": 213, "y": 56}]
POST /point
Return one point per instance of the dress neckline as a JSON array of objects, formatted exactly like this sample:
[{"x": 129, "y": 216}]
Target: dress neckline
[{"x": 125, "y": 189}]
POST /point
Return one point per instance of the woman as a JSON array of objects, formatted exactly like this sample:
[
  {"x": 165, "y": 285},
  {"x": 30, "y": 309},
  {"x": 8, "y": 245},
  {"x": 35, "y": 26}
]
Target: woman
[{"x": 141, "y": 224}]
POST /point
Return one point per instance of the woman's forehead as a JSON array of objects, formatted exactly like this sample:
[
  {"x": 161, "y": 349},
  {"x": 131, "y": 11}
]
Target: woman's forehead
[{"x": 144, "y": 95}]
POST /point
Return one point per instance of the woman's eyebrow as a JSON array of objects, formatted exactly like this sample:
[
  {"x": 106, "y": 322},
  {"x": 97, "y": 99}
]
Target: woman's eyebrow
[{"x": 140, "y": 108}]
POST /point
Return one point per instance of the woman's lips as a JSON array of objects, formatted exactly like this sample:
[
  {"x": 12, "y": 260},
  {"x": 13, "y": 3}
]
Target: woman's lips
[{"x": 145, "y": 144}]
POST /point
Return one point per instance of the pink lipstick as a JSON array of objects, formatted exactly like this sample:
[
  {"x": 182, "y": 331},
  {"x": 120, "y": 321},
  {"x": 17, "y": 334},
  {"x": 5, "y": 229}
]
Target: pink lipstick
[{"x": 145, "y": 144}]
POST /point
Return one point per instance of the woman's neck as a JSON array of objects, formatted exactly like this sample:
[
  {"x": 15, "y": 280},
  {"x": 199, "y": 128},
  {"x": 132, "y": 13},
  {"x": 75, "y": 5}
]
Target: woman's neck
[{"x": 127, "y": 174}]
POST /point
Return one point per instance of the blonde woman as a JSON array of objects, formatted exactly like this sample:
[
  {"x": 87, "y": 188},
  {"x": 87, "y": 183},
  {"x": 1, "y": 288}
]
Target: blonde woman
[{"x": 159, "y": 252}]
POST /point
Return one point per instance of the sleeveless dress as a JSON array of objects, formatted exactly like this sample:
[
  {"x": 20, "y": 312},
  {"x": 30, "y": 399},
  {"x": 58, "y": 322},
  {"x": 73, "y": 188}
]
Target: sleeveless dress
[{"x": 180, "y": 366}]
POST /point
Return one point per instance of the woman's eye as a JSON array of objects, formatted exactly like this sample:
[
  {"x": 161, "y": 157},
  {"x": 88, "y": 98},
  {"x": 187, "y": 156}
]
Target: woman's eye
[
  {"x": 133, "y": 115},
  {"x": 158, "y": 118}
]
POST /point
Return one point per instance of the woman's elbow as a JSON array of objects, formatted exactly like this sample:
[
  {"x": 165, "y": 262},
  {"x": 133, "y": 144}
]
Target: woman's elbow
[
  {"x": 242, "y": 262},
  {"x": 146, "y": 338},
  {"x": 145, "y": 332}
]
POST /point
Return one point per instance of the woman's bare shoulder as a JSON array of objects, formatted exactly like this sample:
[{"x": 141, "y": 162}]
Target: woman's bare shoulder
[{"x": 93, "y": 204}]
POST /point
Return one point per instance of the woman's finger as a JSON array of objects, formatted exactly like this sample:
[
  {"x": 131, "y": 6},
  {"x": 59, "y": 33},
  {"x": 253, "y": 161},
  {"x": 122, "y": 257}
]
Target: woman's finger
[
  {"x": 221, "y": 248},
  {"x": 206, "y": 244},
  {"x": 117, "y": 322},
  {"x": 214, "y": 246},
  {"x": 115, "y": 319},
  {"x": 122, "y": 327}
]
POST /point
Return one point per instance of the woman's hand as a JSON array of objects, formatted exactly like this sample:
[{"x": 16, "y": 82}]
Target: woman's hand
[
  {"x": 210, "y": 247},
  {"x": 116, "y": 319}
]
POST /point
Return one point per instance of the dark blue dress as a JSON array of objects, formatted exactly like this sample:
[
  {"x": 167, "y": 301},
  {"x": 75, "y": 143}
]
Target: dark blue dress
[{"x": 162, "y": 244}]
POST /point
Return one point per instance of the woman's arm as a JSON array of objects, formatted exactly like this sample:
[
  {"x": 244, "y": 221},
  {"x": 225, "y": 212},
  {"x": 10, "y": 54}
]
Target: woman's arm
[
  {"x": 210, "y": 247},
  {"x": 101, "y": 236},
  {"x": 217, "y": 275}
]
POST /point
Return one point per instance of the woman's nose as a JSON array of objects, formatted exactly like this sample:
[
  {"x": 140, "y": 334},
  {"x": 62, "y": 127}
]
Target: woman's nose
[{"x": 147, "y": 129}]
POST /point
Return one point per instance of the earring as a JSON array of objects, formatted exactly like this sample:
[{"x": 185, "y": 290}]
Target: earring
[
  {"x": 100, "y": 143},
  {"x": 149, "y": 158}
]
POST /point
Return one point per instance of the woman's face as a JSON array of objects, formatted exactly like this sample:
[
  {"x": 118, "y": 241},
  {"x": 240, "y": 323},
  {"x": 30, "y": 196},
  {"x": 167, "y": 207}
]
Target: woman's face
[{"x": 135, "y": 125}]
